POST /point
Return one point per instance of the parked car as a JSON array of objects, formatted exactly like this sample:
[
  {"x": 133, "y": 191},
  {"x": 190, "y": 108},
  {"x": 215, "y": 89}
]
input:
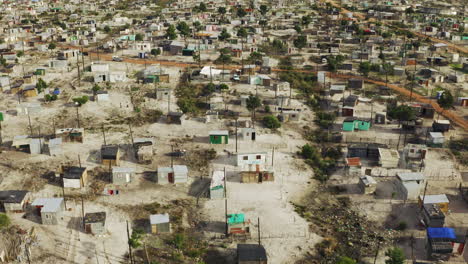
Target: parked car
[{"x": 115, "y": 58}]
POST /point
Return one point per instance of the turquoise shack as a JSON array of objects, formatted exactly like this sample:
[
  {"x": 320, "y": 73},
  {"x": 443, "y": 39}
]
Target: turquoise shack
[{"x": 354, "y": 123}]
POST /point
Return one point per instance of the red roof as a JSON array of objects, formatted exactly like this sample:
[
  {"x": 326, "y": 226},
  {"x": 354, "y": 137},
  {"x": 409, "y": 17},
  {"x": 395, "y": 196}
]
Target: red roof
[{"x": 353, "y": 161}]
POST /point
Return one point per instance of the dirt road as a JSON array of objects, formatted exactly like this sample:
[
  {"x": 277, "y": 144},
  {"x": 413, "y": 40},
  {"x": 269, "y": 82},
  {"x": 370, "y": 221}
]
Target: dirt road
[{"x": 458, "y": 120}]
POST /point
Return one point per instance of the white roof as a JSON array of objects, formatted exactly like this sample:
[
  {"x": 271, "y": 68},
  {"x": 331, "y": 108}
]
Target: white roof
[
  {"x": 49, "y": 205},
  {"x": 368, "y": 180},
  {"x": 159, "y": 218},
  {"x": 217, "y": 179},
  {"x": 439, "y": 45},
  {"x": 123, "y": 169},
  {"x": 219, "y": 132},
  {"x": 434, "y": 199},
  {"x": 436, "y": 135},
  {"x": 206, "y": 71},
  {"x": 180, "y": 169}
]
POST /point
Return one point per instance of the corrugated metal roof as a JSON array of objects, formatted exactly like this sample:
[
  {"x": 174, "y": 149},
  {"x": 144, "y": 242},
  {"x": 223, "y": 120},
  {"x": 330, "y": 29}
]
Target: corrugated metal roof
[{"x": 159, "y": 219}]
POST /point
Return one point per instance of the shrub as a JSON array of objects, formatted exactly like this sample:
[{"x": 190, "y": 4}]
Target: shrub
[
  {"x": 4, "y": 221},
  {"x": 402, "y": 226},
  {"x": 271, "y": 122},
  {"x": 81, "y": 100}
]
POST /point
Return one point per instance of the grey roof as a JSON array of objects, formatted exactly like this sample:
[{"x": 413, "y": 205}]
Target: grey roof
[
  {"x": 109, "y": 151},
  {"x": 49, "y": 205},
  {"x": 12, "y": 196},
  {"x": 73, "y": 172},
  {"x": 95, "y": 217},
  {"x": 159, "y": 218},
  {"x": 251, "y": 252},
  {"x": 410, "y": 176}
]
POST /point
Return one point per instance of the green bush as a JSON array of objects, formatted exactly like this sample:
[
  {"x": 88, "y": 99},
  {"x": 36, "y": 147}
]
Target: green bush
[
  {"x": 81, "y": 100},
  {"x": 402, "y": 226},
  {"x": 4, "y": 221},
  {"x": 271, "y": 122}
]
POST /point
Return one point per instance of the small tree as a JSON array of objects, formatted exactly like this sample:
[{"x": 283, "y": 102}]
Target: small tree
[
  {"x": 20, "y": 53},
  {"x": 107, "y": 29},
  {"x": 224, "y": 35},
  {"x": 365, "y": 68},
  {"x": 209, "y": 89},
  {"x": 155, "y": 52},
  {"x": 81, "y": 100},
  {"x": 241, "y": 12},
  {"x": 298, "y": 28},
  {"x": 171, "y": 32},
  {"x": 346, "y": 260},
  {"x": 183, "y": 29},
  {"x": 139, "y": 37},
  {"x": 222, "y": 10},
  {"x": 242, "y": 33},
  {"x": 300, "y": 42},
  {"x": 446, "y": 100},
  {"x": 255, "y": 57},
  {"x": 41, "y": 85},
  {"x": 95, "y": 89},
  {"x": 202, "y": 7},
  {"x": 305, "y": 20},
  {"x": 263, "y": 10},
  {"x": 223, "y": 86},
  {"x": 271, "y": 122},
  {"x": 52, "y": 46},
  {"x": 395, "y": 256}
]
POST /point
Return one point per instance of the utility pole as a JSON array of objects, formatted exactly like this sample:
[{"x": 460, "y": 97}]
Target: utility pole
[
  {"x": 273, "y": 157},
  {"x": 377, "y": 252},
  {"x": 78, "y": 67},
  {"x": 63, "y": 193},
  {"x": 225, "y": 191},
  {"x": 104, "y": 135},
  {"x": 258, "y": 223},
  {"x": 30, "y": 126},
  {"x": 53, "y": 126},
  {"x": 82, "y": 211},
  {"x": 172, "y": 156},
  {"x": 129, "y": 246},
  {"x": 147, "y": 255},
  {"x": 226, "y": 215},
  {"x": 79, "y": 161},
  {"x": 236, "y": 135},
  {"x": 1, "y": 141},
  {"x": 131, "y": 137},
  {"x": 424, "y": 196},
  {"x": 40, "y": 141},
  {"x": 78, "y": 117}
]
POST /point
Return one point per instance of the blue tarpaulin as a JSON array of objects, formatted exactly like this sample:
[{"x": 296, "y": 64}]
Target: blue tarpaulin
[{"x": 441, "y": 232}]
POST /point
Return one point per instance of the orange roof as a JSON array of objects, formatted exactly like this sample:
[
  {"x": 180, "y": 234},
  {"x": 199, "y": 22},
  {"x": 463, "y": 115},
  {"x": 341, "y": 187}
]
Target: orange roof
[{"x": 353, "y": 161}]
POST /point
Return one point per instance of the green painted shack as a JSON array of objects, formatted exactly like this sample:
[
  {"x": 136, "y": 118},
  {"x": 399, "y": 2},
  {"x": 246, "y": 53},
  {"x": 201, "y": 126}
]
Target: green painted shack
[
  {"x": 40, "y": 71},
  {"x": 219, "y": 137},
  {"x": 353, "y": 123}
]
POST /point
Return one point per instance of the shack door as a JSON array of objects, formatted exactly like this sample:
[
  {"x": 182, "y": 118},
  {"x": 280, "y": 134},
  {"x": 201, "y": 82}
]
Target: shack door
[
  {"x": 88, "y": 228},
  {"x": 260, "y": 177},
  {"x": 171, "y": 177},
  {"x": 222, "y": 140},
  {"x": 253, "y": 135}
]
